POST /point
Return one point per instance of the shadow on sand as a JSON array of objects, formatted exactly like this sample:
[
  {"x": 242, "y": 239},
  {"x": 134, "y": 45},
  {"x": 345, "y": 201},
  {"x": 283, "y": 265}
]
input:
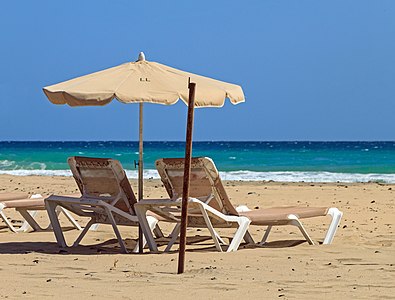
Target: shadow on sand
[{"x": 197, "y": 243}]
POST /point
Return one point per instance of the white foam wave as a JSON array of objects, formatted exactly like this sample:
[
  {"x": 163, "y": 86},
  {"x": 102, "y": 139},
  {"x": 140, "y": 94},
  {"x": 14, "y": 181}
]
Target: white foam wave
[
  {"x": 6, "y": 163},
  {"x": 130, "y": 173},
  {"x": 37, "y": 165},
  {"x": 148, "y": 174},
  {"x": 242, "y": 175},
  {"x": 36, "y": 172},
  {"x": 307, "y": 176}
]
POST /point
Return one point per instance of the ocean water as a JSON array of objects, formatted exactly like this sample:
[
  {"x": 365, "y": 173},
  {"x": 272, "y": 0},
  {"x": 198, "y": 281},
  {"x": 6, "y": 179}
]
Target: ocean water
[{"x": 278, "y": 161}]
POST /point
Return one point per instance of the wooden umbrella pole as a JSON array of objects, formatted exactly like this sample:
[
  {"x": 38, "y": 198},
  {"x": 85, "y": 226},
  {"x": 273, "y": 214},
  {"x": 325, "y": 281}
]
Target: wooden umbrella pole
[
  {"x": 141, "y": 166},
  {"x": 187, "y": 172}
]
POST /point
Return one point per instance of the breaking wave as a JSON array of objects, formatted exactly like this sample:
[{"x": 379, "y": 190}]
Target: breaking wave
[
  {"x": 6, "y": 163},
  {"x": 291, "y": 176}
]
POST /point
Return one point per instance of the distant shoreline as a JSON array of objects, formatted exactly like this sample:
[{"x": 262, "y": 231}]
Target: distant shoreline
[
  {"x": 245, "y": 161},
  {"x": 247, "y": 176},
  {"x": 199, "y": 141}
]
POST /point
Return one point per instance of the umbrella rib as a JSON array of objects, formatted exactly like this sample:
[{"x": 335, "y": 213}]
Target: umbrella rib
[
  {"x": 92, "y": 76},
  {"x": 213, "y": 82},
  {"x": 122, "y": 82}
]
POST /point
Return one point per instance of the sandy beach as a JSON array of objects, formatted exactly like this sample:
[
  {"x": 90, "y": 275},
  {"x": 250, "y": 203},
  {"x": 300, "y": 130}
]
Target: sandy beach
[
  {"x": 359, "y": 263},
  {"x": 289, "y": 102}
]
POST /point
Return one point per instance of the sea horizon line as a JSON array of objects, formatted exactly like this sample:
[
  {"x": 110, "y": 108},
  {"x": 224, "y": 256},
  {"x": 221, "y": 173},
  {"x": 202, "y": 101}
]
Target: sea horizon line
[{"x": 202, "y": 141}]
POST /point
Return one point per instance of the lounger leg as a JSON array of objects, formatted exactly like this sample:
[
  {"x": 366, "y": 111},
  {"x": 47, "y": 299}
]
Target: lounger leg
[
  {"x": 25, "y": 225},
  {"x": 266, "y": 235},
  {"x": 49, "y": 227},
  {"x": 295, "y": 221},
  {"x": 29, "y": 217},
  {"x": 116, "y": 231},
  {"x": 219, "y": 238},
  {"x": 86, "y": 229},
  {"x": 153, "y": 223},
  {"x": 240, "y": 233},
  {"x": 210, "y": 227},
  {"x": 94, "y": 227},
  {"x": 141, "y": 213},
  {"x": 57, "y": 229},
  {"x": 336, "y": 217},
  {"x": 70, "y": 218},
  {"x": 6, "y": 221},
  {"x": 158, "y": 232},
  {"x": 174, "y": 235},
  {"x": 248, "y": 238}
]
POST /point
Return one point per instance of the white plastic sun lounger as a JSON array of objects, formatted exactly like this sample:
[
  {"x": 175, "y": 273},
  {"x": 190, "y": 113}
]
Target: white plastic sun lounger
[
  {"x": 200, "y": 213},
  {"x": 107, "y": 198},
  {"x": 207, "y": 186},
  {"x": 28, "y": 207}
]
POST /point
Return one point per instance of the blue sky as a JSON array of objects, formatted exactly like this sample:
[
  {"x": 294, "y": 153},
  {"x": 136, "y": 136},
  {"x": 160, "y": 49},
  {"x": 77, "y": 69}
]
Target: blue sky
[{"x": 310, "y": 70}]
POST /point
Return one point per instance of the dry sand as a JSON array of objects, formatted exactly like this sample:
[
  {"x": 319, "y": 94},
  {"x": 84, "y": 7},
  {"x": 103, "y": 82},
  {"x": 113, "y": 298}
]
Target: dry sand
[{"x": 359, "y": 264}]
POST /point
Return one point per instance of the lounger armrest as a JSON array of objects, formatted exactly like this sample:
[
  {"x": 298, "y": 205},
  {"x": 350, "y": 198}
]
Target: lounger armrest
[
  {"x": 159, "y": 202},
  {"x": 167, "y": 202},
  {"x": 61, "y": 198},
  {"x": 177, "y": 202},
  {"x": 79, "y": 199}
]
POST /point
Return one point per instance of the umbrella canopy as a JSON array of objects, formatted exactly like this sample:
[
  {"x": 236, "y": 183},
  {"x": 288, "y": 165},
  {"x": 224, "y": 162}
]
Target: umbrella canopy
[{"x": 142, "y": 81}]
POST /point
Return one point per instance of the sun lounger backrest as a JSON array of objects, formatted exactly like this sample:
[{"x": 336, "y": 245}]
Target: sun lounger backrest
[
  {"x": 104, "y": 178},
  {"x": 205, "y": 183}
]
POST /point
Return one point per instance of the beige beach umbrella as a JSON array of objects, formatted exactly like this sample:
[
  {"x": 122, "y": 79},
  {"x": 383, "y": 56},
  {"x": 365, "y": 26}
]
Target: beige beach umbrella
[{"x": 145, "y": 81}]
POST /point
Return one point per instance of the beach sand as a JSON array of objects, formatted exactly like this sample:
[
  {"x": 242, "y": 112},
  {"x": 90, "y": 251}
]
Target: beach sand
[{"x": 359, "y": 264}]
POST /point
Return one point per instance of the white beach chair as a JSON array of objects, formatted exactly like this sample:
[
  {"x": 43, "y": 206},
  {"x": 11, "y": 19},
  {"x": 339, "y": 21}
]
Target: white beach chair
[
  {"x": 201, "y": 214},
  {"x": 206, "y": 185},
  {"x": 28, "y": 207},
  {"x": 106, "y": 198}
]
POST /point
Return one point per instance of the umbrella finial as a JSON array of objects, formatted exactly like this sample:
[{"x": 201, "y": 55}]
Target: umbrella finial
[{"x": 141, "y": 57}]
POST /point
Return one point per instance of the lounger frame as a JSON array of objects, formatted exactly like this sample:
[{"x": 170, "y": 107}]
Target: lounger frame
[
  {"x": 29, "y": 213},
  {"x": 107, "y": 198},
  {"x": 205, "y": 219},
  {"x": 207, "y": 186}
]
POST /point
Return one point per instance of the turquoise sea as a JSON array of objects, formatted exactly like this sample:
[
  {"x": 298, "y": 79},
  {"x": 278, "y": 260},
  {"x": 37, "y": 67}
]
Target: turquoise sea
[{"x": 278, "y": 161}]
